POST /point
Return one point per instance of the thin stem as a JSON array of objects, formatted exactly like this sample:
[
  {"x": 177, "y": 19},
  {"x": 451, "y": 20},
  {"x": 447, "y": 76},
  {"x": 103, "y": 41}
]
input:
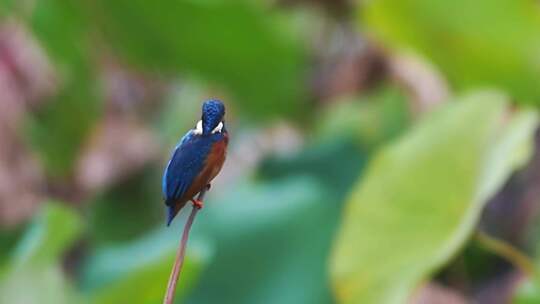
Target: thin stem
[
  {"x": 180, "y": 254},
  {"x": 507, "y": 251}
]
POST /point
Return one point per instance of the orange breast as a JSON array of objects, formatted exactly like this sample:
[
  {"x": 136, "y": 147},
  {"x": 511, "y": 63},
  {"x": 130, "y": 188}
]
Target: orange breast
[{"x": 211, "y": 168}]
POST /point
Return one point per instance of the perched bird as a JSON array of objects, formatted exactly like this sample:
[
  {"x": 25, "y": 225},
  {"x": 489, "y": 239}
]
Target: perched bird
[{"x": 196, "y": 160}]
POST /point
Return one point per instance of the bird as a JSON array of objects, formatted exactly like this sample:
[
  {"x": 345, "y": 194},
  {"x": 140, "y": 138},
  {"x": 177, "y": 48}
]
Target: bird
[{"x": 196, "y": 160}]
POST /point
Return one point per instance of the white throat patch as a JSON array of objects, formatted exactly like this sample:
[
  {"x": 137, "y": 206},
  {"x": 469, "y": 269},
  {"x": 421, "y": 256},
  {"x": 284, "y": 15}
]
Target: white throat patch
[
  {"x": 198, "y": 128},
  {"x": 218, "y": 128}
]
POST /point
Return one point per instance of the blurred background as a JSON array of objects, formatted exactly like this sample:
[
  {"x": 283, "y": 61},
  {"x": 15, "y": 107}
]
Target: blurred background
[{"x": 382, "y": 151}]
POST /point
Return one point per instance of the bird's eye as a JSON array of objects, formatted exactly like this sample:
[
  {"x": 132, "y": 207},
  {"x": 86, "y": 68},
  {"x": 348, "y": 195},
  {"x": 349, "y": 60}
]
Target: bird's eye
[
  {"x": 218, "y": 128},
  {"x": 198, "y": 128}
]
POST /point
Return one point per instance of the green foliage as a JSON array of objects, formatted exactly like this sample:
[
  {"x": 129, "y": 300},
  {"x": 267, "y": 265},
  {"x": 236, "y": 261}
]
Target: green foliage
[
  {"x": 137, "y": 272},
  {"x": 33, "y": 274},
  {"x": 335, "y": 164},
  {"x": 127, "y": 210},
  {"x": 346, "y": 133},
  {"x": 61, "y": 29},
  {"x": 475, "y": 43},
  {"x": 464, "y": 150},
  {"x": 269, "y": 237},
  {"x": 48, "y": 236},
  {"x": 230, "y": 43},
  {"x": 6, "y": 7},
  {"x": 528, "y": 293},
  {"x": 8, "y": 241},
  {"x": 371, "y": 120},
  {"x": 187, "y": 36},
  {"x": 53, "y": 132},
  {"x": 43, "y": 284},
  {"x": 181, "y": 107}
]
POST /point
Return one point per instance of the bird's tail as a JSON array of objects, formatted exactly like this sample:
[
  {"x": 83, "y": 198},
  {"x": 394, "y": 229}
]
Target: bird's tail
[
  {"x": 173, "y": 207},
  {"x": 171, "y": 213}
]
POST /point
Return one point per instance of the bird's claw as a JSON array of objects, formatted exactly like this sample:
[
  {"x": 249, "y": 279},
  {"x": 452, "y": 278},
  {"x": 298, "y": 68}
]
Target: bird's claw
[{"x": 197, "y": 203}]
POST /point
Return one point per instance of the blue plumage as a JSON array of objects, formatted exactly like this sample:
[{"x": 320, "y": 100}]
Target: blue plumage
[
  {"x": 186, "y": 163},
  {"x": 194, "y": 159},
  {"x": 212, "y": 114},
  {"x": 168, "y": 180}
]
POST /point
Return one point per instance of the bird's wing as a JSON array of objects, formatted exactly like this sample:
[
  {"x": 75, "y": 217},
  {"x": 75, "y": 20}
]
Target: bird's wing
[
  {"x": 186, "y": 137},
  {"x": 186, "y": 163}
]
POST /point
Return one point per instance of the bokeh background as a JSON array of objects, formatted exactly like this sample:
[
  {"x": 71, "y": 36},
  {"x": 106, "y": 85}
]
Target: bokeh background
[{"x": 382, "y": 151}]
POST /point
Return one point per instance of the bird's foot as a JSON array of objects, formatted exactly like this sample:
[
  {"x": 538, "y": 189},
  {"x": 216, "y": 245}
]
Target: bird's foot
[{"x": 197, "y": 203}]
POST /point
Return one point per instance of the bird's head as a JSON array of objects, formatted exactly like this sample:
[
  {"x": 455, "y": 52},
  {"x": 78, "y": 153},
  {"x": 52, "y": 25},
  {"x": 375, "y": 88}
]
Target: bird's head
[{"x": 212, "y": 117}]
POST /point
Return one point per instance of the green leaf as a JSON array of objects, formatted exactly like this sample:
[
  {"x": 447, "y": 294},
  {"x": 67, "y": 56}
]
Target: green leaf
[
  {"x": 272, "y": 244},
  {"x": 422, "y": 196},
  {"x": 51, "y": 232},
  {"x": 370, "y": 120},
  {"x": 62, "y": 29},
  {"x": 38, "y": 285},
  {"x": 512, "y": 149},
  {"x": 180, "y": 111},
  {"x": 137, "y": 272},
  {"x": 334, "y": 163},
  {"x": 8, "y": 241},
  {"x": 126, "y": 210},
  {"x": 528, "y": 292},
  {"x": 475, "y": 43},
  {"x": 234, "y": 44},
  {"x": 346, "y": 134},
  {"x": 34, "y": 274},
  {"x": 59, "y": 129},
  {"x": 7, "y": 7}
]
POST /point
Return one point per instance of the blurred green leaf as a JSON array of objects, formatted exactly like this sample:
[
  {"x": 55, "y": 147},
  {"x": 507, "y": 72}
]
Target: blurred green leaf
[
  {"x": 59, "y": 129},
  {"x": 41, "y": 284},
  {"x": 181, "y": 111},
  {"x": 137, "y": 272},
  {"x": 475, "y": 43},
  {"x": 8, "y": 241},
  {"x": 370, "y": 120},
  {"x": 512, "y": 149},
  {"x": 127, "y": 209},
  {"x": 62, "y": 30},
  {"x": 528, "y": 292},
  {"x": 6, "y": 7},
  {"x": 464, "y": 150},
  {"x": 237, "y": 44},
  {"x": 335, "y": 164},
  {"x": 346, "y": 134},
  {"x": 51, "y": 232},
  {"x": 272, "y": 243},
  {"x": 34, "y": 274}
]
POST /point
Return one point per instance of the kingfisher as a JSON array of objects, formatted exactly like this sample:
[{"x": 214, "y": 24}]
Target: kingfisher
[{"x": 196, "y": 160}]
